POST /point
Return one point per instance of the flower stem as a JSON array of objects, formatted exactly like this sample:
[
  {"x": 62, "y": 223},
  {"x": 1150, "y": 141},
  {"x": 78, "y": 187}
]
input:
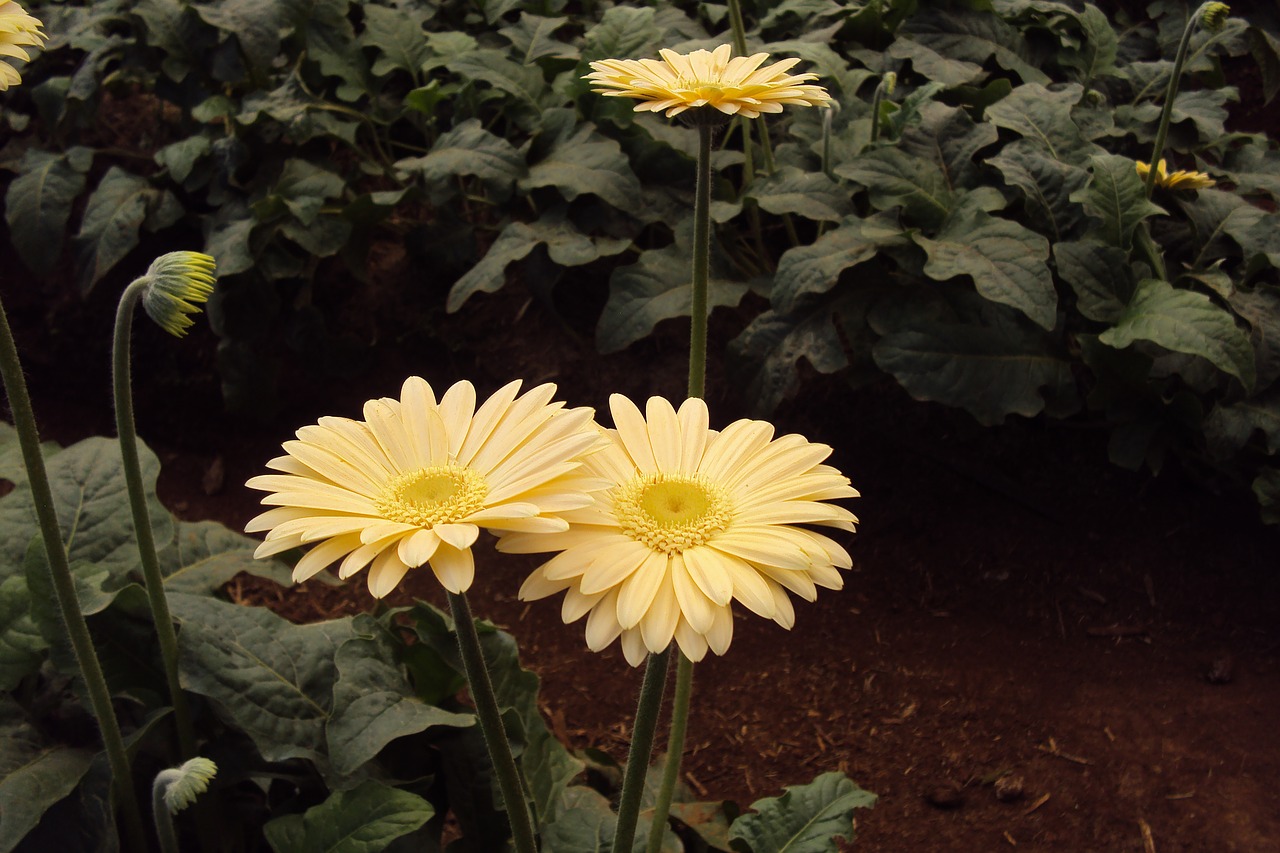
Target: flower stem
[
  {"x": 64, "y": 586},
  {"x": 675, "y": 751},
  {"x": 160, "y": 814},
  {"x": 655, "y": 680},
  {"x": 738, "y": 32},
  {"x": 495, "y": 734},
  {"x": 701, "y": 266},
  {"x": 1171, "y": 93},
  {"x": 128, "y": 434}
]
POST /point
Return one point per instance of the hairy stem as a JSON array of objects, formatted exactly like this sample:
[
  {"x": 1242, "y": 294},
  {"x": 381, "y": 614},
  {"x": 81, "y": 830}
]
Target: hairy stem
[
  {"x": 675, "y": 751},
  {"x": 495, "y": 734},
  {"x": 655, "y": 680},
  {"x": 64, "y": 586}
]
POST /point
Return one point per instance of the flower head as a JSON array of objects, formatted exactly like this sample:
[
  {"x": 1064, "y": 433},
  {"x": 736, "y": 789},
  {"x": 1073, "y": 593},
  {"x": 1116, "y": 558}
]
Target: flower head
[
  {"x": 183, "y": 784},
  {"x": 175, "y": 283},
  {"x": 734, "y": 86},
  {"x": 17, "y": 30},
  {"x": 695, "y": 519},
  {"x": 1179, "y": 180},
  {"x": 1214, "y": 15},
  {"x": 414, "y": 482}
]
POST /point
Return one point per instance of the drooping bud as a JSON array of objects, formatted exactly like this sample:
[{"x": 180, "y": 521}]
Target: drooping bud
[
  {"x": 1214, "y": 15},
  {"x": 176, "y": 282},
  {"x": 186, "y": 782}
]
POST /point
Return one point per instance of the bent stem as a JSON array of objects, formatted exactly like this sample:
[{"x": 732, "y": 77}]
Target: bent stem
[
  {"x": 675, "y": 752},
  {"x": 495, "y": 734},
  {"x": 1171, "y": 93},
  {"x": 128, "y": 434},
  {"x": 64, "y": 586},
  {"x": 655, "y": 680}
]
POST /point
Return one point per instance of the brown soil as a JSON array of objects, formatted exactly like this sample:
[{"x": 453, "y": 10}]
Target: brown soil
[{"x": 1022, "y": 615}]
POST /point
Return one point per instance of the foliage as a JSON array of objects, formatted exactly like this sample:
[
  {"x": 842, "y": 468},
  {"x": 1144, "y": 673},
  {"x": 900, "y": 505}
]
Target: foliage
[
  {"x": 992, "y": 249},
  {"x": 345, "y": 735}
]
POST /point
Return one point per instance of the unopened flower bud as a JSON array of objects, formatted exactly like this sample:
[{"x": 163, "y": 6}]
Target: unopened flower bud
[
  {"x": 1213, "y": 16},
  {"x": 175, "y": 283},
  {"x": 186, "y": 782}
]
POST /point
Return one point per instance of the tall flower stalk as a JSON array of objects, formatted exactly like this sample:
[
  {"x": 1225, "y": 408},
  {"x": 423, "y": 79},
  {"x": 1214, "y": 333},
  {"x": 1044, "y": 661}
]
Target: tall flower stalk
[
  {"x": 706, "y": 86},
  {"x": 64, "y": 586},
  {"x": 1211, "y": 17},
  {"x": 169, "y": 291}
]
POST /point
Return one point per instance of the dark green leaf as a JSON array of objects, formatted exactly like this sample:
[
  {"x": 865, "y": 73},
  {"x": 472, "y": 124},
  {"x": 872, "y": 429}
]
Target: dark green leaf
[
  {"x": 815, "y": 268},
  {"x": 973, "y": 37},
  {"x": 806, "y": 819},
  {"x": 1046, "y": 184},
  {"x": 587, "y": 163},
  {"x": 1099, "y": 274},
  {"x": 1044, "y": 119},
  {"x": 947, "y": 136},
  {"x": 532, "y": 39},
  {"x": 373, "y": 702},
  {"x": 364, "y": 820},
  {"x": 397, "y": 34},
  {"x": 204, "y": 555},
  {"x": 1266, "y": 488},
  {"x": 932, "y": 65},
  {"x": 22, "y": 646},
  {"x": 1187, "y": 322},
  {"x": 38, "y": 204},
  {"x": 116, "y": 212},
  {"x": 1005, "y": 260},
  {"x": 1116, "y": 195},
  {"x": 894, "y": 177},
  {"x": 33, "y": 774},
  {"x": 770, "y": 348},
  {"x": 624, "y": 32},
  {"x": 468, "y": 149},
  {"x": 809, "y": 194},
  {"x": 523, "y": 82},
  {"x": 1229, "y": 428},
  {"x": 269, "y": 678}
]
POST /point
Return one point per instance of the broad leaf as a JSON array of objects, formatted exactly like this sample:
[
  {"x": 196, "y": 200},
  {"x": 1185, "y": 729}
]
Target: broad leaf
[
  {"x": 766, "y": 353},
  {"x": 532, "y": 39},
  {"x": 1266, "y": 488},
  {"x": 468, "y": 149},
  {"x": 1099, "y": 274},
  {"x": 806, "y": 819},
  {"x": 809, "y": 194},
  {"x": 373, "y": 703},
  {"x": 1005, "y": 260},
  {"x": 587, "y": 163},
  {"x": 984, "y": 359},
  {"x": 973, "y": 37},
  {"x": 1097, "y": 56},
  {"x": 587, "y": 825},
  {"x": 364, "y": 820},
  {"x": 623, "y": 31},
  {"x": 932, "y": 65},
  {"x": 1229, "y": 428},
  {"x": 523, "y": 82},
  {"x": 397, "y": 34},
  {"x": 38, "y": 204},
  {"x": 33, "y": 774},
  {"x": 22, "y": 646},
  {"x": 1044, "y": 119},
  {"x": 816, "y": 268},
  {"x": 1187, "y": 322},
  {"x": 947, "y": 136},
  {"x": 117, "y": 210},
  {"x": 894, "y": 177},
  {"x": 657, "y": 287},
  {"x": 269, "y": 678},
  {"x": 1116, "y": 195},
  {"x": 203, "y": 556},
  {"x": 1047, "y": 185}
]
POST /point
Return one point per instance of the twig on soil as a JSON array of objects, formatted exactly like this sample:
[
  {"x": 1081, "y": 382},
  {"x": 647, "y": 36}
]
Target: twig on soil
[
  {"x": 1106, "y": 730},
  {"x": 1148, "y": 841},
  {"x": 1009, "y": 838},
  {"x": 1052, "y": 749},
  {"x": 1044, "y": 798},
  {"x": 1184, "y": 796}
]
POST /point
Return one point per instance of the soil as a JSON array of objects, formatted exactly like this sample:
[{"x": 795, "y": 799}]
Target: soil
[{"x": 1035, "y": 650}]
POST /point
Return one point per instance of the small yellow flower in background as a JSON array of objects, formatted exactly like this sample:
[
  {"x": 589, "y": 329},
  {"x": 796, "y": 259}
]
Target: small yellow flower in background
[
  {"x": 17, "y": 30},
  {"x": 1179, "y": 180},
  {"x": 734, "y": 86},
  {"x": 415, "y": 481},
  {"x": 695, "y": 519},
  {"x": 176, "y": 282}
]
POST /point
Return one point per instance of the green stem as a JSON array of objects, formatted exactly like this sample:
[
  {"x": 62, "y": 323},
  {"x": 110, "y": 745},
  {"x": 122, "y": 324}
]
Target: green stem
[
  {"x": 738, "y": 33},
  {"x": 128, "y": 433},
  {"x": 495, "y": 734},
  {"x": 766, "y": 151},
  {"x": 64, "y": 586},
  {"x": 165, "y": 830},
  {"x": 675, "y": 751},
  {"x": 1170, "y": 94},
  {"x": 655, "y": 679},
  {"x": 701, "y": 266}
]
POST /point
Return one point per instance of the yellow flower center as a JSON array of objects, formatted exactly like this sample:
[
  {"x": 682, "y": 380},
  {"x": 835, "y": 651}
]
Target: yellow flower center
[
  {"x": 438, "y": 495},
  {"x": 671, "y": 513}
]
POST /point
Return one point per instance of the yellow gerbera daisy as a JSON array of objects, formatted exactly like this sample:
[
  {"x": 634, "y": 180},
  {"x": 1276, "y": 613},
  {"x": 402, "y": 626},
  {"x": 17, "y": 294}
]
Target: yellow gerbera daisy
[
  {"x": 415, "y": 481},
  {"x": 733, "y": 85},
  {"x": 1179, "y": 180},
  {"x": 17, "y": 30},
  {"x": 694, "y": 520}
]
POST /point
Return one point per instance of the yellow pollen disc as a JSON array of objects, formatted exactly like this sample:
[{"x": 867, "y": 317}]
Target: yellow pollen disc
[
  {"x": 671, "y": 513},
  {"x": 438, "y": 495}
]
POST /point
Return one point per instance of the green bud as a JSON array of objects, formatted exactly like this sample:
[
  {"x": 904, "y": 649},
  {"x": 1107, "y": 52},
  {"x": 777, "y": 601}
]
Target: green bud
[
  {"x": 889, "y": 83},
  {"x": 1214, "y": 15},
  {"x": 175, "y": 283}
]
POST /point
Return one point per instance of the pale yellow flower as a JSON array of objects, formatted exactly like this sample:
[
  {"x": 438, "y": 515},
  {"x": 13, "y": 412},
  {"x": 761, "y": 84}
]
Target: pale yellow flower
[
  {"x": 176, "y": 284},
  {"x": 414, "y": 482},
  {"x": 695, "y": 519},
  {"x": 735, "y": 85},
  {"x": 1179, "y": 180},
  {"x": 17, "y": 30}
]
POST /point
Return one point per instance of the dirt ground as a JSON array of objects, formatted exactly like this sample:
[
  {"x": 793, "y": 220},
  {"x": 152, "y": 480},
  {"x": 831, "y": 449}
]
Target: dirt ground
[{"x": 1035, "y": 651}]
